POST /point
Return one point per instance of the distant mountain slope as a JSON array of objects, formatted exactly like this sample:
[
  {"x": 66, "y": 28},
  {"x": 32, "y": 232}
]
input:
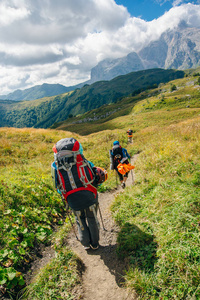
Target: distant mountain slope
[
  {"x": 177, "y": 49},
  {"x": 39, "y": 91},
  {"x": 44, "y": 112},
  {"x": 110, "y": 68}
]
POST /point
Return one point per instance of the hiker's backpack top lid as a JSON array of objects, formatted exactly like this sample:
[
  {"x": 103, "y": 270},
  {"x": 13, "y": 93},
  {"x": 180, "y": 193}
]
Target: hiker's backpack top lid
[
  {"x": 117, "y": 150},
  {"x": 67, "y": 144}
]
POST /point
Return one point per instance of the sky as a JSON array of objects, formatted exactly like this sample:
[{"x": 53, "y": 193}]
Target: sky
[{"x": 48, "y": 41}]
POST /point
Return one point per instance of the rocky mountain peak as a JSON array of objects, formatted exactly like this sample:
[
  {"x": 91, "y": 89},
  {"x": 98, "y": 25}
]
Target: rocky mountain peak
[{"x": 176, "y": 49}]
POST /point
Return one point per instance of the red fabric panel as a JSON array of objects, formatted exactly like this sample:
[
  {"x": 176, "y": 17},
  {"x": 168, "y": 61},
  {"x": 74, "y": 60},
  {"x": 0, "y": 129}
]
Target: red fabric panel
[
  {"x": 89, "y": 188},
  {"x": 76, "y": 146},
  {"x": 91, "y": 175},
  {"x": 54, "y": 149},
  {"x": 79, "y": 158}
]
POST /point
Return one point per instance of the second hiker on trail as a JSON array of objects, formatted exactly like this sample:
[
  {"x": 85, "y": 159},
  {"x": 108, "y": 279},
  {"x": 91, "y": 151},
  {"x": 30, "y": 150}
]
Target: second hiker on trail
[
  {"x": 77, "y": 179},
  {"x": 121, "y": 165}
]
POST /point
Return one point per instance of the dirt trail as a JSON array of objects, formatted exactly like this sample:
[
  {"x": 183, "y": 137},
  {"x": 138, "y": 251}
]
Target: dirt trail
[
  {"x": 103, "y": 275},
  {"x": 103, "y": 271}
]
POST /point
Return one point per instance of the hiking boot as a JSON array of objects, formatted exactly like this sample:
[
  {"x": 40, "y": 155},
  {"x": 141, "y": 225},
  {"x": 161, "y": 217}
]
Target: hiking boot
[
  {"x": 86, "y": 247},
  {"x": 123, "y": 185},
  {"x": 95, "y": 247}
]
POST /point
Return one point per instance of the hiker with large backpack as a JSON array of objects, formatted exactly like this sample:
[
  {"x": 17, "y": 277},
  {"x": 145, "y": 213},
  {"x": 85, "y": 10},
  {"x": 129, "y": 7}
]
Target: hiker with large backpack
[
  {"x": 120, "y": 159},
  {"x": 77, "y": 179}
]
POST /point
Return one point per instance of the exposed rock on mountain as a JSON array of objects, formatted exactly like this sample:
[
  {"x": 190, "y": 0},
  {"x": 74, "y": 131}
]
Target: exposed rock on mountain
[
  {"x": 110, "y": 68},
  {"x": 178, "y": 49},
  {"x": 154, "y": 55}
]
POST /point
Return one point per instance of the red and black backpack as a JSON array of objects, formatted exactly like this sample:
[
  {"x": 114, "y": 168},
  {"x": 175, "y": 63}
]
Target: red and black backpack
[
  {"x": 117, "y": 154},
  {"x": 74, "y": 172}
]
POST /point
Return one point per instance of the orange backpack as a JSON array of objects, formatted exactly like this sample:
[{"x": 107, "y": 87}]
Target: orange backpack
[{"x": 125, "y": 168}]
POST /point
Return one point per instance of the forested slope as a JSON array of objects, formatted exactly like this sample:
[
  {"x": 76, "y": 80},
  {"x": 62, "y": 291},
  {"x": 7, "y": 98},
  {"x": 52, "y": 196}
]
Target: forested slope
[{"x": 44, "y": 112}]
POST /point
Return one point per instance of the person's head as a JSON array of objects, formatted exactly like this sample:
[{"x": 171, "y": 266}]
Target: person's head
[
  {"x": 101, "y": 174},
  {"x": 115, "y": 143}
]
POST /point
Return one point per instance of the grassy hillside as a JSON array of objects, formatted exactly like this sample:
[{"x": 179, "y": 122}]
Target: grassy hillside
[
  {"x": 158, "y": 216},
  {"x": 162, "y": 100},
  {"x": 44, "y": 112}
]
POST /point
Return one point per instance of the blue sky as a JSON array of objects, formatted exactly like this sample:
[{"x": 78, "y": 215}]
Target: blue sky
[
  {"x": 61, "y": 41},
  {"x": 150, "y": 9}
]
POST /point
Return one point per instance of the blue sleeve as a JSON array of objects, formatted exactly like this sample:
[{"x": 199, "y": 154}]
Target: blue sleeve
[
  {"x": 55, "y": 166},
  {"x": 92, "y": 165},
  {"x": 59, "y": 192},
  {"x": 125, "y": 153}
]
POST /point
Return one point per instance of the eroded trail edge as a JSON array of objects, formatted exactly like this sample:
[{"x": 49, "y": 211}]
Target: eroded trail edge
[{"x": 103, "y": 274}]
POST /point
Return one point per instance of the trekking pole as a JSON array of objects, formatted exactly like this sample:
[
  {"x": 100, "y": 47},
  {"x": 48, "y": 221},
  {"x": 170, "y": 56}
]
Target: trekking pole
[
  {"x": 67, "y": 211},
  {"x": 116, "y": 178},
  {"x": 132, "y": 177},
  {"x": 101, "y": 219}
]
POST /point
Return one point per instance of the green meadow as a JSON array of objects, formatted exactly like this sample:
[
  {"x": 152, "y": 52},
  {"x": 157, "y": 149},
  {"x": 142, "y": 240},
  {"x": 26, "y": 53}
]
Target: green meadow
[{"x": 158, "y": 215}]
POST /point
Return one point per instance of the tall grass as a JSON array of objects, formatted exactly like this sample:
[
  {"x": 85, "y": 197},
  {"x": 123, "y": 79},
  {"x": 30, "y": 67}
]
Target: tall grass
[
  {"x": 29, "y": 207},
  {"x": 159, "y": 216}
]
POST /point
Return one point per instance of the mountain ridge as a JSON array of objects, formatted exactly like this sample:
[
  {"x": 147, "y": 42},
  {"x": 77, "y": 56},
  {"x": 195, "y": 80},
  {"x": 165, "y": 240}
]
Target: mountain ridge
[{"x": 39, "y": 91}]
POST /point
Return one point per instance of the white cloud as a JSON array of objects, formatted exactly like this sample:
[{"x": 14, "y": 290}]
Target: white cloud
[
  {"x": 11, "y": 14},
  {"x": 60, "y": 41},
  {"x": 177, "y": 2},
  {"x": 161, "y": 2}
]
